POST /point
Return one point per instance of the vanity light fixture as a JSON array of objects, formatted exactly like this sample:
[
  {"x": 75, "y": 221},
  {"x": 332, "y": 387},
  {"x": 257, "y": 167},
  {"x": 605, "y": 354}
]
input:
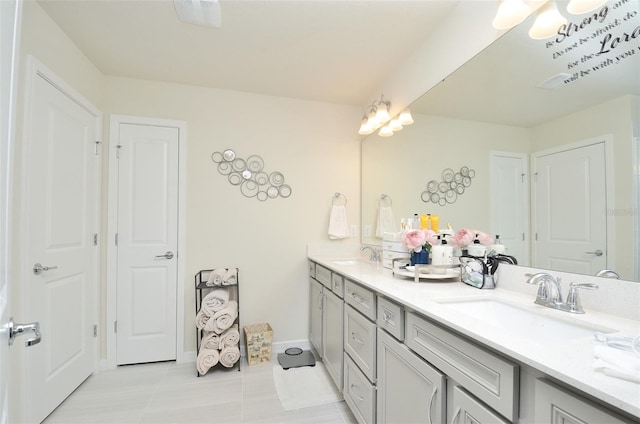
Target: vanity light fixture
[
  {"x": 377, "y": 117},
  {"x": 199, "y": 12},
  {"x": 382, "y": 110},
  {"x": 405, "y": 117},
  {"x": 385, "y": 131},
  {"x": 578, "y": 7},
  {"x": 547, "y": 22},
  {"x": 510, "y": 13}
]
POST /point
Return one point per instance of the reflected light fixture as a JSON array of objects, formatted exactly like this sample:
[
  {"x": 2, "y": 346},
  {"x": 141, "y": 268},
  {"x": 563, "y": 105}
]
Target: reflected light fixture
[
  {"x": 547, "y": 22},
  {"x": 199, "y": 12},
  {"x": 510, "y": 13},
  {"x": 377, "y": 117},
  {"x": 578, "y": 7}
]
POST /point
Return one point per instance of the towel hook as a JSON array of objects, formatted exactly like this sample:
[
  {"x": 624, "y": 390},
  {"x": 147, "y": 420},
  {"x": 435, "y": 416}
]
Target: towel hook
[
  {"x": 383, "y": 198},
  {"x": 337, "y": 197}
]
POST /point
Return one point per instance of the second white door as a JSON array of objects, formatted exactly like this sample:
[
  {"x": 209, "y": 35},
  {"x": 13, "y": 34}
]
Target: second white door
[{"x": 147, "y": 241}]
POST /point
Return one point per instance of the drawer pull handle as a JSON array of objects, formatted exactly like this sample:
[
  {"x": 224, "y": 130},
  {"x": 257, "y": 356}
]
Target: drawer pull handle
[
  {"x": 357, "y": 339},
  {"x": 433, "y": 397},
  {"x": 455, "y": 416},
  {"x": 358, "y": 298},
  {"x": 352, "y": 390},
  {"x": 387, "y": 316}
]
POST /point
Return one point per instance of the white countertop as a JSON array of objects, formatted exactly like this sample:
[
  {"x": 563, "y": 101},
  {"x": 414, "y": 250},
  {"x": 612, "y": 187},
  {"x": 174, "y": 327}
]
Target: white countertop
[{"x": 569, "y": 361}]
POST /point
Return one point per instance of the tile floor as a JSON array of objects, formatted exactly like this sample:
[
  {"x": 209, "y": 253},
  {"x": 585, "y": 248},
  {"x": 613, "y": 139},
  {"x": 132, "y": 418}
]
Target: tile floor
[{"x": 171, "y": 393}]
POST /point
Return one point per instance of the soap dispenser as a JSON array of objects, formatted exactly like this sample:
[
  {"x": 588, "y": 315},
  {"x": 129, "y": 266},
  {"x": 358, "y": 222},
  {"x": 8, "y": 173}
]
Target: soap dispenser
[
  {"x": 442, "y": 253},
  {"x": 497, "y": 246},
  {"x": 477, "y": 249}
]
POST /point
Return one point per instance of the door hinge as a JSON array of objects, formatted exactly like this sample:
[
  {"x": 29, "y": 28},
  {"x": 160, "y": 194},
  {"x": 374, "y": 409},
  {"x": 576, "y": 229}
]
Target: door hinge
[
  {"x": 118, "y": 147},
  {"x": 116, "y": 239},
  {"x": 115, "y": 326},
  {"x": 535, "y": 177},
  {"x": 95, "y": 330},
  {"x": 522, "y": 176},
  {"x": 95, "y": 239},
  {"x": 98, "y": 148},
  {"x": 522, "y": 236},
  {"x": 536, "y": 236}
]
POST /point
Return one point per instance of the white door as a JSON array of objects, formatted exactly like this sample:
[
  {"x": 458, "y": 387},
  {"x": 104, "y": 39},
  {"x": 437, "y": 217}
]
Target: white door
[
  {"x": 62, "y": 169},
  {"x": 570, "y": 210},
  {"x": 10, "y": 13},
  {"x": 510, "y": 203},
  {"x": 147, "y": 243}
]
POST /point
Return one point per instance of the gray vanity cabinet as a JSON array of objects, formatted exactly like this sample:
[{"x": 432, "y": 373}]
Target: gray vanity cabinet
[
  {"x": 315, "y": 315},
  {"x": 468, "y": 409},
  {"x": 332, "y": 321},
  {"x": 409, "y": 389},
  {"x": 555, "y": 405}
]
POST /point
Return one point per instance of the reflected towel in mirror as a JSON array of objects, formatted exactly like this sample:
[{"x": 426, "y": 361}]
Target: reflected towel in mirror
[{"x": 386, "y": 221}]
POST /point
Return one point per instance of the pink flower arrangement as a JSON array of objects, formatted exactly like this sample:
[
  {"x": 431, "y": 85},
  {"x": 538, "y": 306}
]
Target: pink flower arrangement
[
  {"x": 465, "y": 236},
  {"x": 415, "y": 240}
]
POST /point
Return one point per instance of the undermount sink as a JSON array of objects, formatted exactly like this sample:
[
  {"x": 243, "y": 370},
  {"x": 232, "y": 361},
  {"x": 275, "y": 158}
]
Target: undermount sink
[{"x": 524, "y": 323}]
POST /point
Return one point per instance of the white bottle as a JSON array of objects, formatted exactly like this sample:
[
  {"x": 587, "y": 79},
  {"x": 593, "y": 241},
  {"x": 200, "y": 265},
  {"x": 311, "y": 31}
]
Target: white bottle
[
  {"x": 442, "y": 254},
  {"x": 497, "y": 246},
  {"x": 476, "y": 249}
]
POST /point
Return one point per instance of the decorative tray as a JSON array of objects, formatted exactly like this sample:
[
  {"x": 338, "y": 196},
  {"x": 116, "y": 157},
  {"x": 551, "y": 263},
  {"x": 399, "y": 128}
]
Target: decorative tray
[{"x": 443, "y": 273}]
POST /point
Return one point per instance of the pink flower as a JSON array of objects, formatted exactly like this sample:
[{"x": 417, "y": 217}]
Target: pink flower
[
  {"x": 484, "y": 238},
  {"x": 463, "y": 237},
  {"x": 415, "y": 240}
]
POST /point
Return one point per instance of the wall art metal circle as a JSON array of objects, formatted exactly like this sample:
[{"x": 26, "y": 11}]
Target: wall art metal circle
[
  {"x": 249, "y": 175},
  {"x": 449, "y": 188}
]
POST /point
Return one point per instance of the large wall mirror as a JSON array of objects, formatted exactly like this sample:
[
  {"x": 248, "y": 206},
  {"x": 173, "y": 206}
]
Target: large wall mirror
[{"x": 530, "y": 118}]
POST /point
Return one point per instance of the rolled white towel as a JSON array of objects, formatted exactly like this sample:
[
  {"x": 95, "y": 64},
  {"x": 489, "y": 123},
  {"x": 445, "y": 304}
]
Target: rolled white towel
[
  {"x": 201, "y": 320},
  {"x": 215, "y": 277},
  {"x": 231, "y": 337},
  {"x": 211, "y": 340},
  {"x": 223, "y": 319},
  {"x": 230, "y": 277},
  {"x": 617, "y": 363},
  {"x": 229, "y": 356},
  {"x": 215, "y": 301},
  {"x": 207, "y": 358}
]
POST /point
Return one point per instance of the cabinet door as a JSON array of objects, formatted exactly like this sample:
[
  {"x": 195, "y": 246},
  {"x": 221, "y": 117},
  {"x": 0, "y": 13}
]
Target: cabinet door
[
  {"x": 555, "y": 405},
  {"x": 469, "y": 410},
  {"x": 315, "y": 315},
  {"x": 409, "y": 389},
  {"x": 360, "y": 341},
  {"x": 332, "y": 353}
]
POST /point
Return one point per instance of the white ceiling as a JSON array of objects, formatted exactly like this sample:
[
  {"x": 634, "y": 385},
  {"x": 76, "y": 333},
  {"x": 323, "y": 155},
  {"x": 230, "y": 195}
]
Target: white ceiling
[{"x": 334, "y": 51}]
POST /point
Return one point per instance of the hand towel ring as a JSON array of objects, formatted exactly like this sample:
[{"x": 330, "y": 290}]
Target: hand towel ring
[
  {"x": 336, "y": 199},
  {"x": 385, "y": 198}
]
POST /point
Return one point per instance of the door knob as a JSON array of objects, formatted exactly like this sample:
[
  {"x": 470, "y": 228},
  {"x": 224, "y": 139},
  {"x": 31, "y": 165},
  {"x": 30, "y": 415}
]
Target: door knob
[
  {"x": 16, "y": 330},
  {"x": 597, "y": 253},
  {"x": 38, "y": 268},
  {"x": 168, "y": 255}
]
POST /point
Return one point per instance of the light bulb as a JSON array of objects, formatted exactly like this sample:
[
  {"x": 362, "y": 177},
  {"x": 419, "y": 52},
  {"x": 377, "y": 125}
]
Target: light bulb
[
  {"x": 365, "y": 129},
  {"x": 395, "y": 125},
  {"x": 578, "y": 7},
  {"x": 510, "y": 13},
  {"x": 547, "y": 22},
  {"x": 405, "y": 117},
  {"x": 385, "y": 131},
  {"x": 382, "y": 115}
]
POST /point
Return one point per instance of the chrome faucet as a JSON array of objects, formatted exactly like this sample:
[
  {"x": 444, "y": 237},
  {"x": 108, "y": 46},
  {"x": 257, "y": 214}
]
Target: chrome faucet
[
  {"x": 608, "y": 273},
  {"x": 375, "y": 253},
  {"x": 550, "y": 294}
]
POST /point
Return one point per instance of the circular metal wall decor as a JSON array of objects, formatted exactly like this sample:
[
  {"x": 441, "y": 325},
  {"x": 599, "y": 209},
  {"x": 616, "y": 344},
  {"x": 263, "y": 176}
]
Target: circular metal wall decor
[
  {"x": 249, "y": 175},
  {"x": 449, "y": 188}
]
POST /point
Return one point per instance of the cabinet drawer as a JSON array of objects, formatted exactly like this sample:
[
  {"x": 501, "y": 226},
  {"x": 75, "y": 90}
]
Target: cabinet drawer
[
  {"x": 467, "y": 409},
  {"x": 323, "y": 275},
  {"x": 396, "y": 246},
  {"x": 390, "y": 317},
  {"x": 387, "y": 254},
  {"x": 491, "y": 378},
  {"x": 359, "y": 393},
  {"x": 312, "y": 269},
  {"x": 337, "y": 284},
  {"x": 362, "y": 299},
  {"x": 360, "y": 341}
]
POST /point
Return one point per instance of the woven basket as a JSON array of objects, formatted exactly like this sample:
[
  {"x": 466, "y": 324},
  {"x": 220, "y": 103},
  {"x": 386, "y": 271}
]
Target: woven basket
[{"x": 258, "y": 338}]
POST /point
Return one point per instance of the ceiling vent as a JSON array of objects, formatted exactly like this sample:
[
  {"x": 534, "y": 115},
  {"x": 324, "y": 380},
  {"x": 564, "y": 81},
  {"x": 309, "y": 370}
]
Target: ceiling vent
[
  {"x": 199, "y": 12},
  {"x": 556, "y": 81}
]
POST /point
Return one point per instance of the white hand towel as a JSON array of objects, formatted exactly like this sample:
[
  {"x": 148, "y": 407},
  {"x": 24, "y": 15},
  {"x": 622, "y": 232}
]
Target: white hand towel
[
  {"x": 617, "y": 363},
  {"x": 386, "y": 221},
  {"x": 215, "y": 277},
  {"x": 201, "y": 320},
  {"x": 338, "y": 227},
  {"x": 231, "y": 337},
  {"x": 215, "y": 301},
  {"x": 230, "y": 277},
  {"x": 210, "y": 340},
  {"x": 223, "y": 319},
  {"x": 207, "y": 358},
  {"x": 229, "y": 356}
]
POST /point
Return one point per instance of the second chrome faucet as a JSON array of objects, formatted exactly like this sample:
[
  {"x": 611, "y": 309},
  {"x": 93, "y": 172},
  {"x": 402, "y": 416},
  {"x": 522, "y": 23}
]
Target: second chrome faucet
[{"x": 550, "y": 293}]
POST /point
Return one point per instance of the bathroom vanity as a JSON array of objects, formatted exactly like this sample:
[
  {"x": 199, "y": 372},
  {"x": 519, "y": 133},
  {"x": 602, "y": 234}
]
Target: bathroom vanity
[{"x": 436, "y": 352}]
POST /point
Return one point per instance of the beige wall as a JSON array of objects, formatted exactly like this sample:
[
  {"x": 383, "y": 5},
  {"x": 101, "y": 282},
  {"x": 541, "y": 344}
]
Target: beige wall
[{"x": 313, "y": 144}]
